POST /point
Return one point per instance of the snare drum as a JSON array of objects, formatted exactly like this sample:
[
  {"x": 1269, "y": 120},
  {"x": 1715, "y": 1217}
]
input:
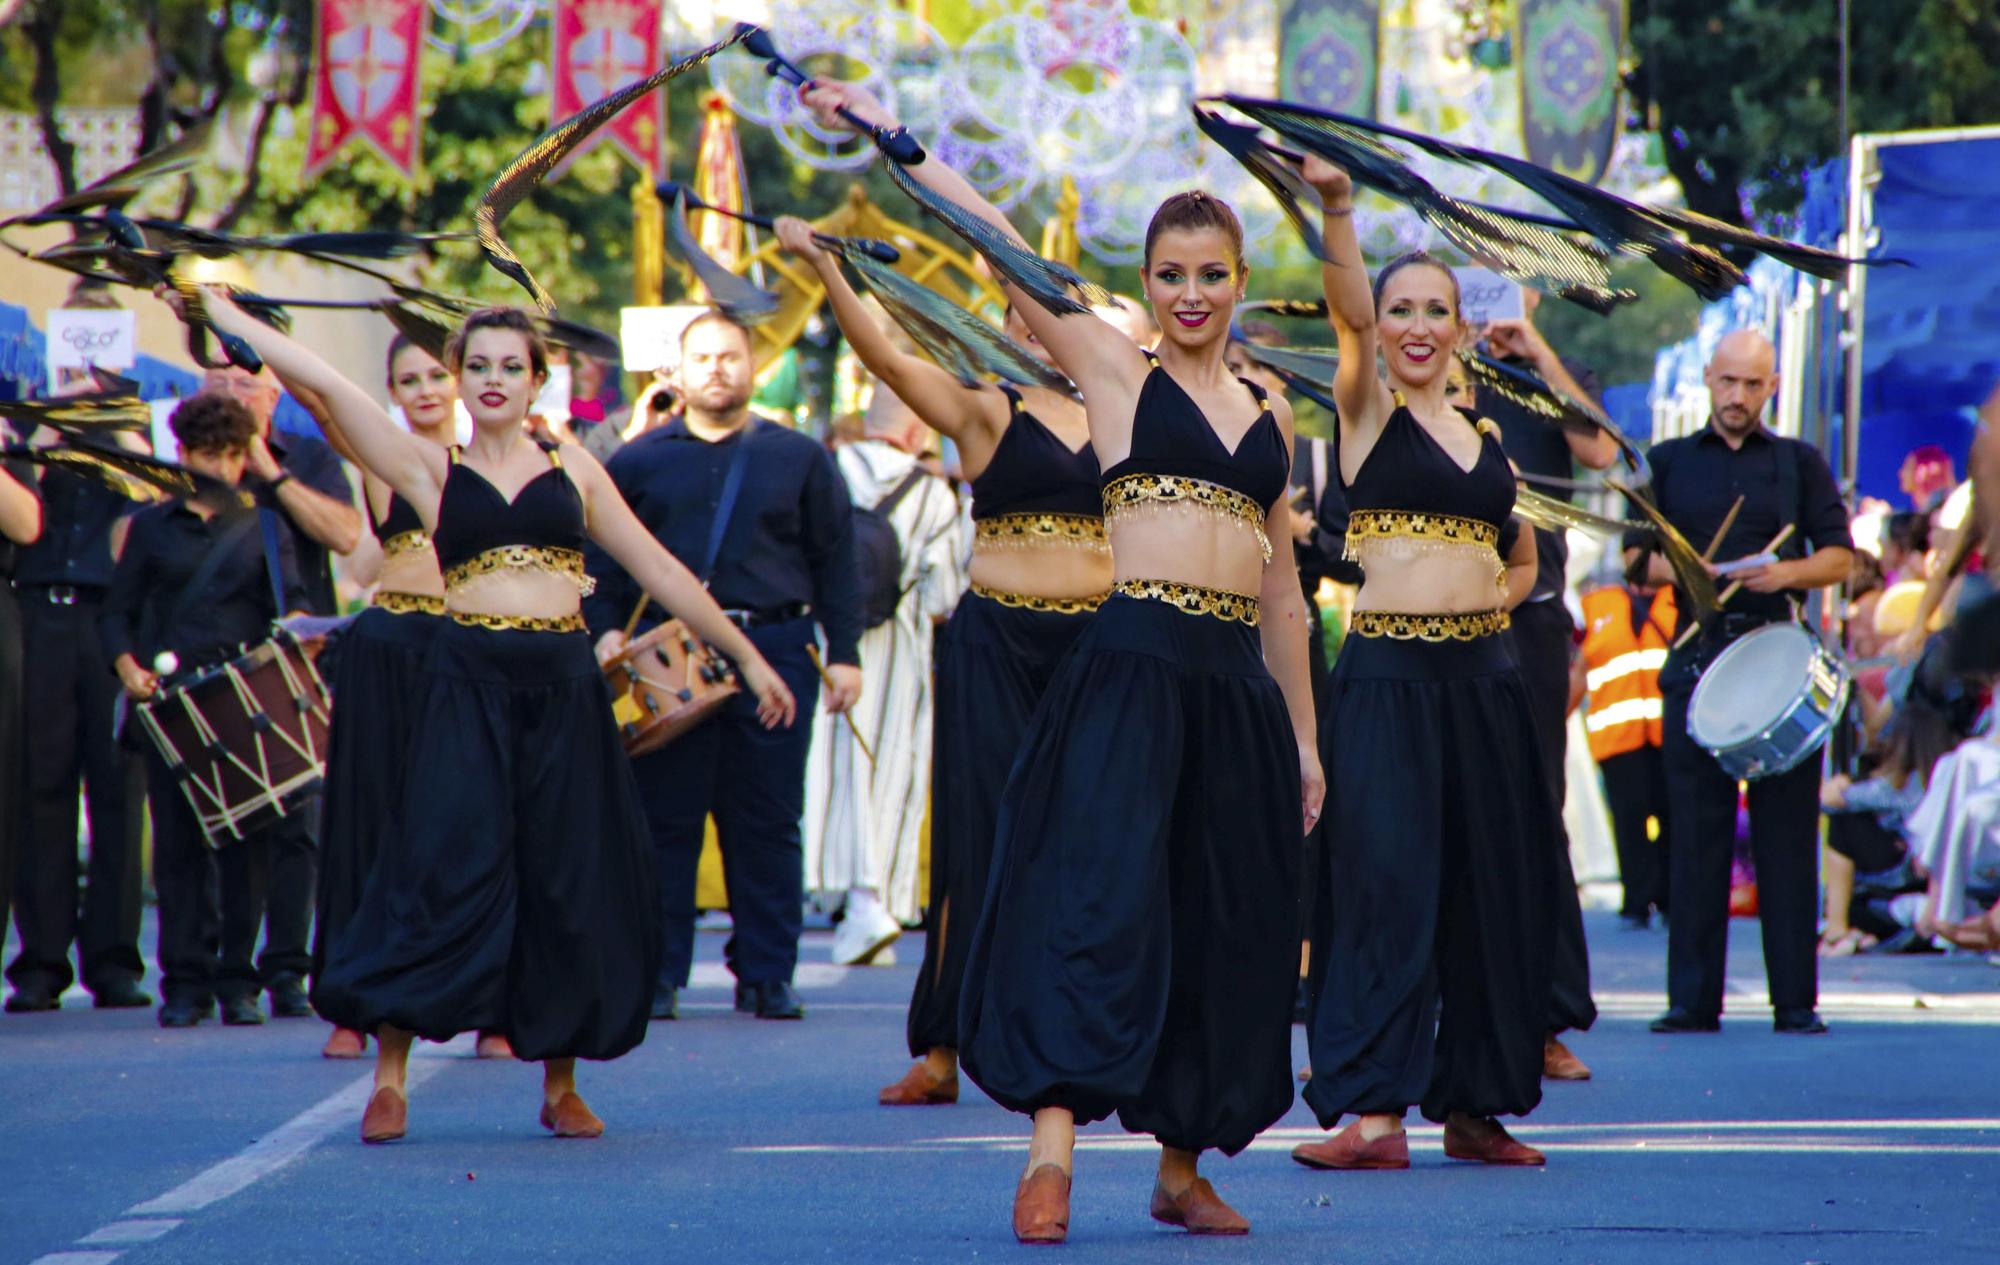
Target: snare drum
[
  {"x": 664, "y": 684},
  {"x": 1768, "y": 701},
  {"x": 246, "y": 740}
]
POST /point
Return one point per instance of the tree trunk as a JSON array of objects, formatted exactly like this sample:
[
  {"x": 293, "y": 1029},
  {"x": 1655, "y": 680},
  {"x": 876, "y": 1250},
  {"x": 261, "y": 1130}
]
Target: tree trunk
[{"x": 43, "y": 24}]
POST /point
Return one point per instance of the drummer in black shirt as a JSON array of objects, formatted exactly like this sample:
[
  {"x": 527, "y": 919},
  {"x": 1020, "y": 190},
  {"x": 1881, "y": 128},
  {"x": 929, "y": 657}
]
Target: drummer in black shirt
[
  {"x": 1696, "y": 479},
  {"x": 1542, "y": 636},
  {"x": 784, "y": 565},
  {"x": 156, "y": 626}
]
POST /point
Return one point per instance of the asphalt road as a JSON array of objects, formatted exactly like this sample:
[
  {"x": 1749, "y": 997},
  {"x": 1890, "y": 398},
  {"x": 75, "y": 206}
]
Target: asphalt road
[{"x": 746, "y": 1141}]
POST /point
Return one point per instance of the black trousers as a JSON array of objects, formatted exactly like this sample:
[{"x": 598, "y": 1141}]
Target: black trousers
[
  {"x": 994, "y": 663},
  {"x": 1541, "y": 641},
  {"x": 1635, "y": 783},
  {"x": 1784, "y": 841},
  {"x": 71, "y": 693},
  {"x": 212, "y": 902},
  {"x": 753, "y": 780},
  {"x": 1431, "y": 948},
  {"x": 12, "y": 764}
]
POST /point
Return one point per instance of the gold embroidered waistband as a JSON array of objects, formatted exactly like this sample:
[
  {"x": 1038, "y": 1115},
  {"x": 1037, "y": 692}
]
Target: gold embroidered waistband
[
  {"x": 567, "y": 563},
  {"x": 521, "y": 623},
  {"x": 408, "y": 603},
  {"x": 405, "y": 542},
  {"x": 1124, "y": 494},
  {"x": 1042, "y": 605},
  {"x": 1443, "y": 529},
  {"x": 1193, "y": 599},
  {"x": 1401, "y": 627},
  {"x": 1018, "y": 531}
]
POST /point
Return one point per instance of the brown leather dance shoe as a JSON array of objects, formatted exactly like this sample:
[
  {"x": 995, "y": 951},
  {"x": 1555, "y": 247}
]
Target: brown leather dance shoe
[
  {"x": 1348, "y": 1149},
  {"x": 345, "y": 1043},
  {"x": 571, "y": 1117},
  {"x": 1486, "y": 1142},
  {"x": 1559, "y": 1064},
  {"x": 919, "y": 1088},
  {"x": 1198, "y": 1210},
  {"x": 1041, "y": 1206},
  {"x": 493, "y": 1045},
  {"x": 387, "y": 1117}
]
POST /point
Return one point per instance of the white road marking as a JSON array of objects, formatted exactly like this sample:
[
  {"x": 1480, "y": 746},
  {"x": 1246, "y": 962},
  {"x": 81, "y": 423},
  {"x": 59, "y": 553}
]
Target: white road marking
[
  {"x": 130, "y": 1231},
  {"x": 806, "y": 975},
  {"x": 75, "y": 1258}
]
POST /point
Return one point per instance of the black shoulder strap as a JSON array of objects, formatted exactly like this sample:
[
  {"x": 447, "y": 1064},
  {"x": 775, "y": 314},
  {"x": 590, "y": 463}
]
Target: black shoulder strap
[
  {"x": 268, "y": 520},
  {"x": 1014, "y": 404},
  {"x": 887, "y": 505},
  {"x": 211, "y": 562},
  {"x": 732, "y": 486},
  {"x": 1788, "y": 497}
]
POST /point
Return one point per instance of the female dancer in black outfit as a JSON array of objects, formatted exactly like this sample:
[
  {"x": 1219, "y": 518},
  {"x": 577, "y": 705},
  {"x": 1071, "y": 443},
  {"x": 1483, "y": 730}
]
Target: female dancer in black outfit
[
  {"x": 514, "y": 896},
  {"x": 1436, "y": 881},
  {"x": 1040, "y": 566},
  {"x": 1131, "y": 955},
  {"x": 377, "y": 676}
]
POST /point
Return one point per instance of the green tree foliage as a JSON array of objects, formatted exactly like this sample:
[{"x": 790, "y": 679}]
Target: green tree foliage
[{"x": 1746, "y": 92}]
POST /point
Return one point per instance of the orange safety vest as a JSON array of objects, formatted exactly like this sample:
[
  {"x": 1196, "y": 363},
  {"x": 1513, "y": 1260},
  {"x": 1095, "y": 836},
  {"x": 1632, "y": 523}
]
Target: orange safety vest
[{"x": 1623, "y": 670}]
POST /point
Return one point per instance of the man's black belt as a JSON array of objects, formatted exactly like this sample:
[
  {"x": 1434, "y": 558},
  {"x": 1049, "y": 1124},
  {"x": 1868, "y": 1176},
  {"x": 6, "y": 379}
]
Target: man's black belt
[
  {"x": 746, "y": 619},
  {"x": 60, "y": 594}
]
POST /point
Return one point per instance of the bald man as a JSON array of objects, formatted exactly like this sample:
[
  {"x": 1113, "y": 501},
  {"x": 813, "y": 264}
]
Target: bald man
[{"x": 1781, "y": 481}]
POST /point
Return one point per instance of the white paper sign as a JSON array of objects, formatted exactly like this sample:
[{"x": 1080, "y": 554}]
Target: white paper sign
[
  {"x": 649, "y": 338},
  {"x": 1487, "y": 296},
  {"x": 80, "y": 338}
]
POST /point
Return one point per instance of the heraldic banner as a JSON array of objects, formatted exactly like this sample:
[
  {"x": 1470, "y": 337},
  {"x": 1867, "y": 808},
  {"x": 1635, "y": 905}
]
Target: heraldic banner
[
  {"x": 598, "y": 47},
  {"x": 367, "y": 55}
]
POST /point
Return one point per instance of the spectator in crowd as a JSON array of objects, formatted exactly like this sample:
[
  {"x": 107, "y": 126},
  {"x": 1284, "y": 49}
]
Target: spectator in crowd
[{"x": 1926, "y": 476}]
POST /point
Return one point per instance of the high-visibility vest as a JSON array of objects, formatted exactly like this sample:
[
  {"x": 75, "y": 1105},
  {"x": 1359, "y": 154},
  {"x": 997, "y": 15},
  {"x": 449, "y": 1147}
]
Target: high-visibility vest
[{"x": 1623, "y": 670}]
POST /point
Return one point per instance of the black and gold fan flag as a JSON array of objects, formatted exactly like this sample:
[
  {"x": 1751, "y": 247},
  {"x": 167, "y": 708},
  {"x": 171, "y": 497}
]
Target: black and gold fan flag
[
  {"x": 962, "y": 345},
  {"x": 1544, "y": 403},
  {"x": 521, "y": 176},
  {"x": 1045, "y": 281},
  {"x": 737, "y": 295},
  {"x": 1690, "y": 572}
]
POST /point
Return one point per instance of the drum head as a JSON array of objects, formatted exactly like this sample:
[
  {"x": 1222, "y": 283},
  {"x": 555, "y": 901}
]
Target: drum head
[{"x": 1751, "y": 685}]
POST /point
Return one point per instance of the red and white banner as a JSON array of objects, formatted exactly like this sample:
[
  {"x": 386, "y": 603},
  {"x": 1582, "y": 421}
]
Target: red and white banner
[
  {"x": 598, "y": 47},
  {"x": 367, "y": 59}
]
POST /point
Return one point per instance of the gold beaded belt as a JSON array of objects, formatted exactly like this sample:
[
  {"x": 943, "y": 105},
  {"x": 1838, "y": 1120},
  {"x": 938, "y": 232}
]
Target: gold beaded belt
[
  {"x": 408, "y": 603},
  {"x": 567, "y": 563},
  {"x": 1124, "y": 494},
  {"x": 1442, "y": 529},
  {"x": 1193, "y": 599},
  {"x": 405, "y": 542},
  {"x": 1401, "y": 627},
  {"x": 1043, "y": 605},
  {"x": 1019, "y": 531},
  {"x": 521, "y": 623}
]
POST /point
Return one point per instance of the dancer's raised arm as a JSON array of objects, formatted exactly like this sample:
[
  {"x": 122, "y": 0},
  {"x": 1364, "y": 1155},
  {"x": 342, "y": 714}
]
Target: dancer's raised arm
[
  {"x": 414, "y": 469},
  {"x": 1358, "y": 390},
  {"x": 947, "y": 406},
  {"x": 1096, "y": 355}
]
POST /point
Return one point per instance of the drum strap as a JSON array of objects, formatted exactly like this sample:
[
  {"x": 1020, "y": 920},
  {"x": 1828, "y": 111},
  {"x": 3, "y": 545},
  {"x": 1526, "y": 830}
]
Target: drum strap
[
  {"x": 1788, "y": 497},
  {"x": 732, "y": 487},
  {"x": 211, "y": 562},
  {"x": 268, "y": 521}
]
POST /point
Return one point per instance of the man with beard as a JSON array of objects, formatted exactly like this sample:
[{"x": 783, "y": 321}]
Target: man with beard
[
  {"x": 762, "y": 516},
  {"x": 1782, "y": 482}
]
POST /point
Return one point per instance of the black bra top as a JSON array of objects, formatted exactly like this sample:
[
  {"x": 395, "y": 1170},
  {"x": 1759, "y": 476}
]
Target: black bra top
[
  {"x": 1034, "y": 472},
  {"x": 1171, "y": 436},
  {"x": 399, "y": 521},
  {"x": 473, "y": 517},
  {"x": 1407, "y": 470}
]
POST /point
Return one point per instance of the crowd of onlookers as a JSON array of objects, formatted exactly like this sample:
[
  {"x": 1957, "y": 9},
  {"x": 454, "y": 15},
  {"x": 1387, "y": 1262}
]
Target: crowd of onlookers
[{"x": 1913, "y": 806}]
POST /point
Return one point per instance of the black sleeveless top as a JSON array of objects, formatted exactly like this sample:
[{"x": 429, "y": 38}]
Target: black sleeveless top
[
  {"x": 1407, "y": 472},
  {"x": 1034, "y": 472},
  {"x": 1171, "y": 436},
  {"x": 400, "y": 520},
  {"x": 473, "y": 518}
]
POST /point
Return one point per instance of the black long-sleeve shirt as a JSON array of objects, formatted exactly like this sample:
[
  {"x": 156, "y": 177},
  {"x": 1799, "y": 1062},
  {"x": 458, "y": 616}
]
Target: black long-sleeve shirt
[
  {"x": 314, "y": 463},
  {"x": 75, "y": 545},
  {"x": 790, "y": 540},
  {"x": 1697, "y": 477},
  {"x": 163, "y": 550}
]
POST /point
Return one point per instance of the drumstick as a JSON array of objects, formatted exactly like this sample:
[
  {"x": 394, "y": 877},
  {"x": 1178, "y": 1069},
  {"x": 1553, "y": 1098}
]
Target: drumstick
[
  {"x": 1728, "y": 521},
  {"x": 1784, "y": 534},
  {"x": 819, "y": 665},
  {"x": 633, "y": 623}
]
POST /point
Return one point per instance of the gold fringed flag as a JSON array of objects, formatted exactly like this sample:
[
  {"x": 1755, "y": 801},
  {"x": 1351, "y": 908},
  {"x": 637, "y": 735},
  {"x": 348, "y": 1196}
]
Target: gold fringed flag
[
  {"x": 367, "y": 55},
  {"x": 718, "y": 182},
  {"x": 597, "y": 47}
]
